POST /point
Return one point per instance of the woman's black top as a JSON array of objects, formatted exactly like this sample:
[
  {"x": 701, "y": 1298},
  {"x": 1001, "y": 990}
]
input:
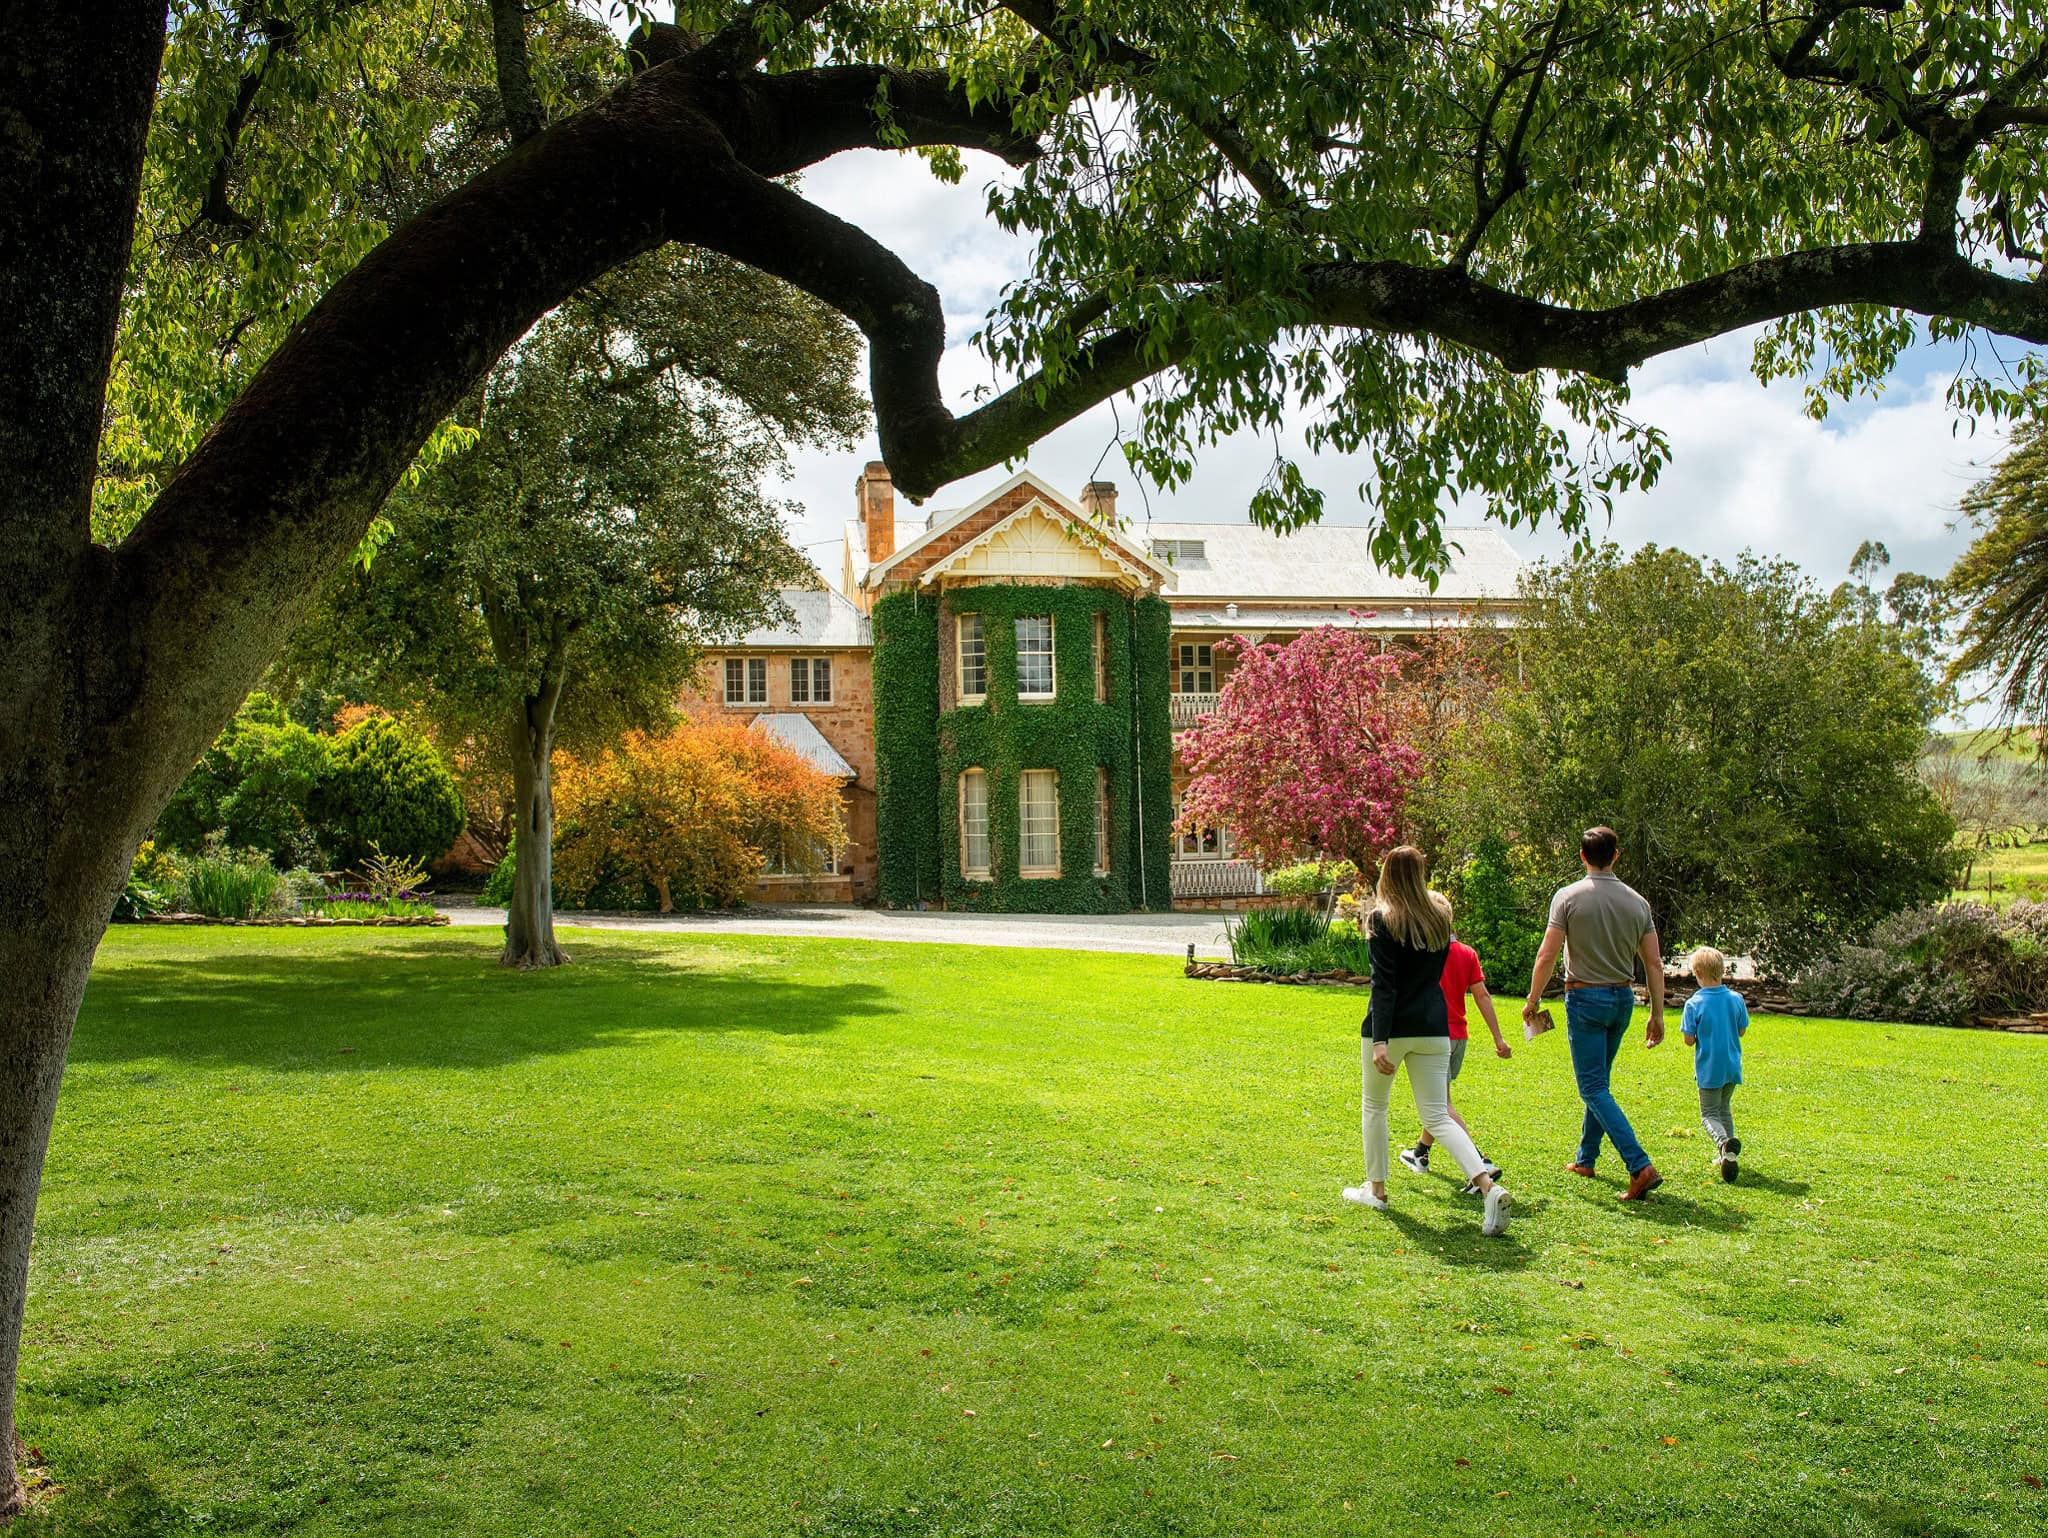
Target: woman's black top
[{"x": 1407, "y": 987}]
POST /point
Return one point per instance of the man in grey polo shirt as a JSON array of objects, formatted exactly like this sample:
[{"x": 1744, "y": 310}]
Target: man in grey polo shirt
[{"x": 1602, "y": 925}]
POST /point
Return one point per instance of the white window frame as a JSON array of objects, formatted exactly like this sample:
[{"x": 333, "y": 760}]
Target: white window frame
[
  {"x": 1025, "y": 780},
  {"x": 1189, "y": 664},
  {"x": 750, "y": 675},
  {"x": 1101, "y": 820},
  {"x": 960, "y": 638},
  {"x": 1050, "y": 654},
  {"x": 806, "y": 676},
  {"x": 968, "y": 868},
  {"x": 1188, "y": 842}
]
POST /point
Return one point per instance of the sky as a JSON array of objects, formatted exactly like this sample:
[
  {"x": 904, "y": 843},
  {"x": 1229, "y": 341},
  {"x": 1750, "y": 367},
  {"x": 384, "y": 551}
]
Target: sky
[{"x": 1749, "y": 469}]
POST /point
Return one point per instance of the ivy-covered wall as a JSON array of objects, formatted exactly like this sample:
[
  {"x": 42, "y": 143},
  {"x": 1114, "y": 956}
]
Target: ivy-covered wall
[
  {"x": 906, "y": 681},
  {"x": 922, "y": 749}
]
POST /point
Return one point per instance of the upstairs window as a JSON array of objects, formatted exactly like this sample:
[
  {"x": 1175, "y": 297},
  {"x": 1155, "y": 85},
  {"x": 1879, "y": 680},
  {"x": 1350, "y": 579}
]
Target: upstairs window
[
  {"x": 974, "y": 824},
  {"x": 1101, "y": 658},
  {"x": 1179, "y": 549},
  {"x": 1038, "y": 808},
  {"x": 1034, "y": 657},
  {"x": 746, "y": 680},
  {"x": 810, "y": 680},
  {"x": 1197, "y": 668},
  {"x": 973, "y": 647}
]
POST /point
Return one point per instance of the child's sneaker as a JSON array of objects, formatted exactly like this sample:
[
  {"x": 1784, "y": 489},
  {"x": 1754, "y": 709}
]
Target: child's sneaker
[
  {"x": 1364, "y": 1197},
  {"x": 1417, "y": 1159},
  {"x": 1729, "y": 1168},
  {"x": 1499, "y": 1208}
]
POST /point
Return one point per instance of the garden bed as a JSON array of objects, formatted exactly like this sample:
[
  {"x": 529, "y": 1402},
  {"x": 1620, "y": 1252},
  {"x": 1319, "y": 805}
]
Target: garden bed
[{"x": 301, "y": 921}]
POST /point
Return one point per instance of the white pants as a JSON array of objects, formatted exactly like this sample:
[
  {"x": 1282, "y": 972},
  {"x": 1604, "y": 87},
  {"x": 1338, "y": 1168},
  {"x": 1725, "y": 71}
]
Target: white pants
[{"x": 1429, "y": 1070}]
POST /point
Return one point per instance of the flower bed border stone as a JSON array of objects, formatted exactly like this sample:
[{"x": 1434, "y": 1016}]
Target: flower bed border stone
[{"x": 1231, "y": 972}]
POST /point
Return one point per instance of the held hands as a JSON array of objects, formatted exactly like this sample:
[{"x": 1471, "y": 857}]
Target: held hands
[{"x": 1380, "y": 1058}]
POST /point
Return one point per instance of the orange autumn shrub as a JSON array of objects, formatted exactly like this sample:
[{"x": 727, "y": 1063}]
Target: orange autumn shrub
[{"x": 686, "y": 817}]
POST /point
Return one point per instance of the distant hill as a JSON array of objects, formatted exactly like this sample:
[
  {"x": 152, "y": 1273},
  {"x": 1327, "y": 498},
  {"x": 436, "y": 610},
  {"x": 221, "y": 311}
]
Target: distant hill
[{"x": 1995, "y": 741}]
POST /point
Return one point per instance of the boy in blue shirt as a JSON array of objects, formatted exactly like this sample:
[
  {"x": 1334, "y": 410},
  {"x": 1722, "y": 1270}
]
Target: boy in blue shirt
[{"x": 1713, "y": 1025}]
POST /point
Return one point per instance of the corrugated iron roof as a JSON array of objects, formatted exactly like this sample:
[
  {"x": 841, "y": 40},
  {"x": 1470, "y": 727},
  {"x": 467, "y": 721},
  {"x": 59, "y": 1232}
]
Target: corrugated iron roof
[
  {"x": 795, "y": 731},
  {"x": 1328, "y": 563},
  {"x": 823, "y": 617}
]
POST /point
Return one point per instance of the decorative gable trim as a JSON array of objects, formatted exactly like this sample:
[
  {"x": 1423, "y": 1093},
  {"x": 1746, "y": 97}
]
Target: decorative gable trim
[
  {"x": 1053, "y": 504},
  {"x": 1036, "y": 541}
]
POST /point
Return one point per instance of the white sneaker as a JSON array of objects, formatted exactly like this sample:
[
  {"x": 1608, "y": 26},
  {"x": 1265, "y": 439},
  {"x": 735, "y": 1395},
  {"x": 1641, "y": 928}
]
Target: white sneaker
[
  {"x": 1364, "y": 1197},
  {"x": 1418, "y": 1162},
  {"x": 1499, "y": 1208}
]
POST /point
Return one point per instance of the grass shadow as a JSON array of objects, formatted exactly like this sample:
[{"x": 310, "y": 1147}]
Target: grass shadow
[
  {"x": 439, "y": 1003},
  {"x": 1772, "y": 1184},
  {"x": 1666, "y": 1207},
  {"x": 1462, "y": 1244}
]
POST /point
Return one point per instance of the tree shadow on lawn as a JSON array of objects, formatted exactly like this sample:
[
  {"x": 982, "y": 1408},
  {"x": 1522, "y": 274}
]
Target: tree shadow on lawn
[{"x": 440, "y": 1003}]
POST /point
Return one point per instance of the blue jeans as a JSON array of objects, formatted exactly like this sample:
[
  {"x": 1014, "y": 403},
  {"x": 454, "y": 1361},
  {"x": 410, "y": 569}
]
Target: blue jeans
[{"x": 1595, "y": 1021}]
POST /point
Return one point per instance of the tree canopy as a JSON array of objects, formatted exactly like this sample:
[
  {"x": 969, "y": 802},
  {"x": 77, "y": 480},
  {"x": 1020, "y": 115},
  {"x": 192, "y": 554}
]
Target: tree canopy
[
  {"x": 605, "y": 518},
  {"x": 1754, "y": 741}
]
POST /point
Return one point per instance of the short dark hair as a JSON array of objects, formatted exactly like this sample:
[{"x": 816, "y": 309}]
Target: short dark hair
[{"x": 1599, "y": 846}]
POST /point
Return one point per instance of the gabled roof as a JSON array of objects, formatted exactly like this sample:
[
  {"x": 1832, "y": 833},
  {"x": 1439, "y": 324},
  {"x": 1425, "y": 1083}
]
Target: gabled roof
[
  {"x": 821, "y": 617},
  {"x": 1129, "y": 549},
  {"x": 1330, "y": 564},
  {"x": 1039, "y": 542},
  {"x": 796, "y": 731}
]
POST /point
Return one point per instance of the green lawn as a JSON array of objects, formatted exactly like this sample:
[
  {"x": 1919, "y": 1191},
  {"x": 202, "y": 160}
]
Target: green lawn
[{"x": 349, "y": 1232}]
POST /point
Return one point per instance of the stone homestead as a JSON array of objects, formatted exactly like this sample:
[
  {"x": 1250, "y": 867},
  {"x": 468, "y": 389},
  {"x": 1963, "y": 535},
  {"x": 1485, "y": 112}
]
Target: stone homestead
[{"x": 997, "y": 686}]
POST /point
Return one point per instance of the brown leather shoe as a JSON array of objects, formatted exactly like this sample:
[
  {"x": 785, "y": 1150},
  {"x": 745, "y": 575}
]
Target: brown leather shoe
[
  {"x": 1579, "y": 1169},
  {"x": 1642, "y": 1183}
]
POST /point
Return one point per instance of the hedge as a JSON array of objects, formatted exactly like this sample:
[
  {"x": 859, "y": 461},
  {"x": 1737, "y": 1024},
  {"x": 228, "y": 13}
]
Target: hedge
[{"x": 921, "y": 751}]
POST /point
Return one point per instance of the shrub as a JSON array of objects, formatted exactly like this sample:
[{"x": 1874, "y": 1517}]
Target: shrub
[
  {"x": 387, "y": 790},
  {"x": 252, "y": 787},
  {"x": 237, "y": 884},
  {"x": 1289, "y": 940},
  {"x": 1498, "y": 916},
  {"x": 1938, "y": 965},
  {"x": 684, "y": 818},
  {"x": 497, "y": 892},
  {"x": 1311, "y": 878},
  {"x": 152, "y": 885}
]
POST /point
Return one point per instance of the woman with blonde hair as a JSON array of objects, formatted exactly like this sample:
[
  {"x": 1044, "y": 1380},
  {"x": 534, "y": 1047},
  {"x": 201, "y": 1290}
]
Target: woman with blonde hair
[{"x": 1409, "y": 935}]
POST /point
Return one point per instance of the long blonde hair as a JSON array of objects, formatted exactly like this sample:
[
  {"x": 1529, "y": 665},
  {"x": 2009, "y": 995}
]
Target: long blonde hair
[{"x": 1408, "y": 910}]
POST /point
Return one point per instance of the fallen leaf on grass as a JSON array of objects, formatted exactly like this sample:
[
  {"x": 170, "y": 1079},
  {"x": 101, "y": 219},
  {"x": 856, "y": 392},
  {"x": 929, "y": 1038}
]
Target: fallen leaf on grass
[
  {"x": 2032, "y": 1481},
  {"x": 968, "y": 1413},
  {"x": 1669, "y": 1441},
  {"x": 1224, "y": 1457},
  {"x": 1505, "y": 1392},
  {"x": 1463, "y": 1463}
]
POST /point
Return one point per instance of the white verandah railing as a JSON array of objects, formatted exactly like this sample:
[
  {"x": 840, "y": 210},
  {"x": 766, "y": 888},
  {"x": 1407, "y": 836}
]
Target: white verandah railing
[{"x": 1208, "y": 877}]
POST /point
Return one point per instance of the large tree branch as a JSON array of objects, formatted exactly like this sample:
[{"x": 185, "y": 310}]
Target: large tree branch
[
  {"x": 278, "y": 493},
  {"x": 523, "y": 116}
]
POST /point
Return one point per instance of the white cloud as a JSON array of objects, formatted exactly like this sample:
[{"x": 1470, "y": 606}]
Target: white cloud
[{"x": 1749, "y": 468}]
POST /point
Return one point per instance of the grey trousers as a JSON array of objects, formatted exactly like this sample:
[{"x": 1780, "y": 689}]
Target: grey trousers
[{"x": 1717, "y": 1112}]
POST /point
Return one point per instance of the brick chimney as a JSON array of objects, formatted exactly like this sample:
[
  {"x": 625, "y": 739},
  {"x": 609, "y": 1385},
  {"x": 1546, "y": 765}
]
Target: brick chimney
[
  {"x": 1098, "y": 501},
  {"x": 875, "y": 495}
]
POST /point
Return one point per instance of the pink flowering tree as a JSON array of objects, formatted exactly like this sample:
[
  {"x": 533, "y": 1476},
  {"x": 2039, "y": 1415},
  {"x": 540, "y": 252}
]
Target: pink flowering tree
[{"x": 1306, "y": 756}]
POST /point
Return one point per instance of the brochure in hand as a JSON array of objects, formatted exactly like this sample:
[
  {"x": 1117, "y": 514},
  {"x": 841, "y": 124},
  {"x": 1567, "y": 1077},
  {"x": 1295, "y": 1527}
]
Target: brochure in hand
[{"x": 1531, "y": 1029}]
